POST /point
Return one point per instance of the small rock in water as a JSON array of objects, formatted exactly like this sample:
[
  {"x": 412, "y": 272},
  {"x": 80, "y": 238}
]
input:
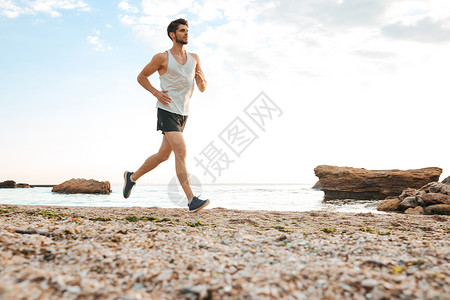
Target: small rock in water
[{"x": 83, "y": 186}]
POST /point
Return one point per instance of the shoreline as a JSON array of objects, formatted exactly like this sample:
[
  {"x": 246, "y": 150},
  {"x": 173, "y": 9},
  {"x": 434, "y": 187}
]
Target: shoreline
[
  {"x": 87, "y": 252},
  {"x": 204, "y": 184},
  {"x": 42, "y": 185}
]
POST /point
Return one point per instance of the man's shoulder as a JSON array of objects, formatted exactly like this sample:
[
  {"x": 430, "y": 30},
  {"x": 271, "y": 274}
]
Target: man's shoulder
[
  {"x": 194, "y": 55},
  {"x": 160, "y": 56}
]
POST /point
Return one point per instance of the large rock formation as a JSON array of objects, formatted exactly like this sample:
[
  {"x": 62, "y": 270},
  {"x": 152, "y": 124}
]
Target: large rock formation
[
  {"x": 357, "y": 183},
  {"x": 432, "y": 198},
  {"x": 83, "y": 186}
]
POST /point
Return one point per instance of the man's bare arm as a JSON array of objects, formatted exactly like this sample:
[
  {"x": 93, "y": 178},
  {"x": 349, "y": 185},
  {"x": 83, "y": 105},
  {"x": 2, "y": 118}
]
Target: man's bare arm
[
  {"x": 154, "y": 65},
  {"x": 199, "y": 76}
]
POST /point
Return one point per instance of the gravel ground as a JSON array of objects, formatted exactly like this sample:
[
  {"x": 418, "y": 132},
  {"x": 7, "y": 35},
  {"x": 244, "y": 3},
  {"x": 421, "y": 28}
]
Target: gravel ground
[{"x": 156, "y": 253}]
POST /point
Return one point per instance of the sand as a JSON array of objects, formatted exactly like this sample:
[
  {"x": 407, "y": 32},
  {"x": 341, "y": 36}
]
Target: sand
[{"x": 155, "y": 253}]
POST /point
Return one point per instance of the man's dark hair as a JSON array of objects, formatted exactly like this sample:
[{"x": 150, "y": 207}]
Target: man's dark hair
[{"x": 173, "y": 26}]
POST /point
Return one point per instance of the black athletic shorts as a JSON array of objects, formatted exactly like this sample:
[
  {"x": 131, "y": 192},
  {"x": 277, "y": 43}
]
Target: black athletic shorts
[{"x": 168, "y": 121}]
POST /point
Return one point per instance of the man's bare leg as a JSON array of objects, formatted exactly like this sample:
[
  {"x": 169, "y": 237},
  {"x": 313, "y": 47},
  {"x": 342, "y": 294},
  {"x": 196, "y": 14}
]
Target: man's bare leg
[
  {"x": 153, "y": 161},
  {"x": 176, "y": 142}
]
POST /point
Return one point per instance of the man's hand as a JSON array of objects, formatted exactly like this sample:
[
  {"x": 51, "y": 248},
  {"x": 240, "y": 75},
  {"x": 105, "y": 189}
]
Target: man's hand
[
  {"x": 162, "y": 97},
  {"x": 158, "y": 63},
  {"x": 199, "y": 75},
  {"x": 200, "y": 79}
]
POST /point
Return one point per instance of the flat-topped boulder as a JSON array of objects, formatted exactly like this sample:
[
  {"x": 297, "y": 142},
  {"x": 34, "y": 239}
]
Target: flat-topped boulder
[
  {"x": 83, "y": 186},
  {"x": 359, "y": 183}
]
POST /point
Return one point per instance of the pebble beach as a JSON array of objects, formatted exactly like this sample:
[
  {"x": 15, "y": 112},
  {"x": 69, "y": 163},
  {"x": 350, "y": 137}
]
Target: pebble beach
[{"x": 50, "y": 252}]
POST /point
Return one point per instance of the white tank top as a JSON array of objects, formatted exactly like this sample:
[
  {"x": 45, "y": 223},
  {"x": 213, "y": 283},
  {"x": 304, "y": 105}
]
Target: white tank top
[{"x": 179, "y": 81}]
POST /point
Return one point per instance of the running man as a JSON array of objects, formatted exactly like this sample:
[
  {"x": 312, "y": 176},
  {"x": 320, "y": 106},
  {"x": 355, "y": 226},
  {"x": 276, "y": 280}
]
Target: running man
[{"x": 177, "y": 71}]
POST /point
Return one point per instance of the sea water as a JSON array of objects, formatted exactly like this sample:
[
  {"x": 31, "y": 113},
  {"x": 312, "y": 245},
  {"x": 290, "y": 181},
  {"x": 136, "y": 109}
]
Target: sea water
[{"x": 289, "y": 197}]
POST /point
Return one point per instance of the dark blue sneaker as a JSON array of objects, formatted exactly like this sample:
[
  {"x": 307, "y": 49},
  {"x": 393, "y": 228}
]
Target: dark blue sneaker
[
  {"x": 128, "y": 184},
  {"x": 197, "y": 204}
]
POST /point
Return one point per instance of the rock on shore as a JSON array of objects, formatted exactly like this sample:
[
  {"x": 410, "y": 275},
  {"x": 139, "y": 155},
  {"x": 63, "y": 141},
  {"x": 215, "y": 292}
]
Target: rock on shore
[
  {"x": 431, "y": 199},
  {"x": 359, "y": 183},
  {"x": 83, "y": 186}
]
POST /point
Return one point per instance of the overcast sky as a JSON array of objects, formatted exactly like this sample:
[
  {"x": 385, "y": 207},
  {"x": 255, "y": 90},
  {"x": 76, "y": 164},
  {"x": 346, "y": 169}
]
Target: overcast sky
[{"x": 360, "y": 83}]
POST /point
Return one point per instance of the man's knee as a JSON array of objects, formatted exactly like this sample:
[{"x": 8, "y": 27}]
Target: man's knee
[{"x": 180, "y": 154}]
